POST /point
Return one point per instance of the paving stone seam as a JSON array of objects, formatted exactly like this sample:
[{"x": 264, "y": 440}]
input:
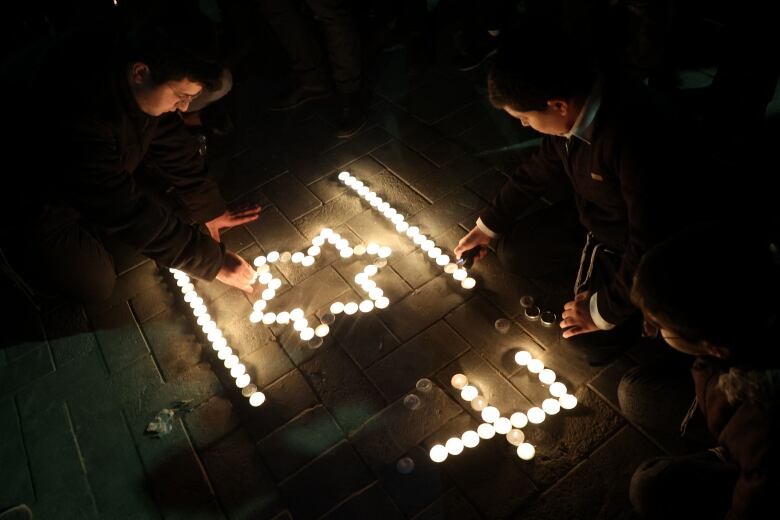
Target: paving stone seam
[
  {"x": 24, "y": 447},
  {"x": 392, "y": 172},
  {"x": 402, "y": 343},
  {"x": 80, "y": 455},
  {"x": 300, "y": 470},
  {"x": 347, "y": 499},
  {"x": 637, "y": 427}
]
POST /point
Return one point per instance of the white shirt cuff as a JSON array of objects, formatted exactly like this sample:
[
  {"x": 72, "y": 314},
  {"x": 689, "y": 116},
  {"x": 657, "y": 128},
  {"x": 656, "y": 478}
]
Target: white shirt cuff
[
  {"x": 482, "y": 227},
  {"x": 600, "y": 322}
]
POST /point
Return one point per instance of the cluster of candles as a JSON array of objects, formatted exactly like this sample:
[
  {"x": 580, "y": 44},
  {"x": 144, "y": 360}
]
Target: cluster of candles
[
  {"x": 494, "y": 423},
  {"x": 217, "y": 340},
  {"x": 375, "y": 295},
  {"x": 412, "y": 232}
]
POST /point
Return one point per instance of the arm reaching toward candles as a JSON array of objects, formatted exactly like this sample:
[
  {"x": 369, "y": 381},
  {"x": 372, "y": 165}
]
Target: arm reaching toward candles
[{"x": 236, "y": 272}]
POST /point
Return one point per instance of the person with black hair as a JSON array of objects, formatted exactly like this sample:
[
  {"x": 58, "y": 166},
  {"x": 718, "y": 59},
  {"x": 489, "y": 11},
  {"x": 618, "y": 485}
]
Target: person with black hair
[
  {"x": 610, "y": 142},
  {"x": 719, "y": 304},
  {"x": 105, "y": 154}
]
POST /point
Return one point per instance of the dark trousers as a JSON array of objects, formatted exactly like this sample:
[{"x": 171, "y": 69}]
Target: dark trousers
[
  {"x": 302, "y": 45},
  {"x": 60, "y": 254}
]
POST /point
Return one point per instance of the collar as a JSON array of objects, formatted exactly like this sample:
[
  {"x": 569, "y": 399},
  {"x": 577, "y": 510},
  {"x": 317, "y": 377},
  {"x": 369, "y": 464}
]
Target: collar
[{"x": 583, "y": 125}]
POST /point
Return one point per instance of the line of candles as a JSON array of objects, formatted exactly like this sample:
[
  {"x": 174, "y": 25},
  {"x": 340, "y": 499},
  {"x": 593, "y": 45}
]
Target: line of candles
[{"x": 217, "y": 340}]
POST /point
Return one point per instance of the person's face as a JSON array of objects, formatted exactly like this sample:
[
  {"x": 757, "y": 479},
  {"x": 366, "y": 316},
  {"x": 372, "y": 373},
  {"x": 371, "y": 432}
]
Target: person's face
[
  {"x": 653, "y": 328},
  {"x": 556, "y": 119},
  {"x": 154, "y": 99}
]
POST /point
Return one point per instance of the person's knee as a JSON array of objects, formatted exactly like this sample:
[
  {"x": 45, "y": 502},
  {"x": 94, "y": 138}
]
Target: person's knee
[
  {"x": 97, "y": 289},
  {"x": 649, "y": 487}
]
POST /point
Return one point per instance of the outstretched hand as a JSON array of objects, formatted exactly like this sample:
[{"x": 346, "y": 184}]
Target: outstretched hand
[
  {"x": 232, "y": 218},
  {"x": 475, "y": 238},
  {"x": 236, "y": 272},
  {"x": 576, "y": 316}
]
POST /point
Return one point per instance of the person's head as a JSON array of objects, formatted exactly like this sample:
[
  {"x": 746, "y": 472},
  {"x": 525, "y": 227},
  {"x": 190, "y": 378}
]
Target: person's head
[
  {"x": 541, "y": 79},
  {"x": 711, "y": 292},
  {"x": 169, "y": 64}
]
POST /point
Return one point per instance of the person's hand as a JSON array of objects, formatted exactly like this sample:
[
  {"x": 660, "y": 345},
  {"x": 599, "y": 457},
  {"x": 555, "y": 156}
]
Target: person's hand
[
  {"x": 236, "y": 272},
  {"x": 576, "y": 316},
  {"x": 232, "y": 218},
  {"x": 475, "y": 238}
]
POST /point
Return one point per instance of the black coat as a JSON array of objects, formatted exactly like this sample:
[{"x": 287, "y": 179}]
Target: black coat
[
  {"x": 86, "y": 141},
  {"x": 626, "y": 185}
]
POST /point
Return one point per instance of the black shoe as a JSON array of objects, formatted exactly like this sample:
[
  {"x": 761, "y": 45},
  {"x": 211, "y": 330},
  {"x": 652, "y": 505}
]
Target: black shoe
[
  {"x": 298, "y": 97},
  {"x": 474, "y": 50},
  {"x": 352, "y": 118}
]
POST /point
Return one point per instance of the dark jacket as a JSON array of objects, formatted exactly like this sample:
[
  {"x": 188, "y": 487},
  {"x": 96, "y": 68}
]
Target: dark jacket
[
  {"x": 87, "y": 140},
  {"x": 748, "y": 430},
  {"x": 623, "y": 185}
]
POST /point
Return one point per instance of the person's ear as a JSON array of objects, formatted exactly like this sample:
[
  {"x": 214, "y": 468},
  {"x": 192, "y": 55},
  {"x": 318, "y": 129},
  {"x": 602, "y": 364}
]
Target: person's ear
[
  {"x": 559, "y": 106},
  {"x": 139, "y": 73}
]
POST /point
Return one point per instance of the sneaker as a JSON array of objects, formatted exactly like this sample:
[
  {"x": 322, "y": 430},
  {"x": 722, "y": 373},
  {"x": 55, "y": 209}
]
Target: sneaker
[
  {"x": 352, "y": 118},
  {"x": 298, "y": 97},
  {"x": 473, "y": 51}
]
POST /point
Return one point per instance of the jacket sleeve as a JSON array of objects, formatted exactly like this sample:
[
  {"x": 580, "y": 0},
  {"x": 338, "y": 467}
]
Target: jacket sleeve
[
  {"x": 108, "y": 196},
  {"x": 524, "y": 187},
  {"x": 639, "y": 171},
  {"x": 173, "y": 155}
]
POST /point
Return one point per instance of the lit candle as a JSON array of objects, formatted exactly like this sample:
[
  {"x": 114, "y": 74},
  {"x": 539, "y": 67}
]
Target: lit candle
[
  {"x": 547, "y": 376},
  {"x": 490, "y": 414},
  {"x": 479, "y": 403},
  {"x": 468, "y": 283},
  {"x": 551, "y": 406},
  {"x": 557, "y": 389},
  {"x": 438, "y": 453},
  {"x": 458, "y": 381},
  {"x": 535, "y": 415},
  {"x": 525, "y": 451},
  {"x": 535, "y": 366},
  {"x": 469, "y": 392},
  {"x": 257, "y": 399},
  {"x": 470, "y": 438},
  {"x": 567, "y": 401},
  {"x": 454, "y": 446},
  {"x": 518, "y": 419},
  {"x": 502, "y": 425},
  {"x": 515, "y": 437},
  {"x": 486, "y": 431}
]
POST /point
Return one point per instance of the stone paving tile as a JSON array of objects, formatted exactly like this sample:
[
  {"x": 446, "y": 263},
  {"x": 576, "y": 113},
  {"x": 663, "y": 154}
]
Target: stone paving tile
[
  {"x": 443, "y": 151},
  {"x": 14, "y": 473},
  {"x": 211, "y": 421},
  {"x": 405, "y": 427},
  {"x": 447, "y": 212},
  {"x": 299, "y": 441},
  {"x": 501, "y": 287},
  {"x": 401, "y": 125},
  {"x": 170, "y": 337},
  {"x": 564, "y": 440},
  {"x": 119, "y": 336},
  {"x": 291, "y": 197},
  {"x": 112, "y": 465},
  {"x": 598, "y": 488},
  {"x": 25, "y": 336},
  {"x": 231, "y": 313},
  {"x": 365, "y": 338},
  {"x": 440, "y": 182},
  {"x": 405, "y": 199},
  {"x": 285, "y": 399},
  {"x": 465, "y": 118},
  {"x": 69, "y": 333},
  {"x": 266, "y": 364},
  {"x": 61, "y": 490},
  {"x": 342, "y": 387},
  {"x": 486, "y": 186},
  {"x": 332, "y": 215},
  {"x": 274, "y": 232},
  {"x": 170, "y": 462},
  {"x": 486, "y": 475},
  {"x": 132, "y": 283},
  {"x": 330, "y": 187},
  {"x": 152, "y": 301},
  {"x": 438, "y": 98},
  {"x": 452, "y": 506},
  {"x": 25, "y": 369},
  {"x": 499, "y": 392},
  {"x": 242, "y": 484},
  {"x": 407, "y": 164},
  {"x": 423, "y": 307},
  {"x": 372, "y": 502},
  {"x": 375, "y": 445},
  {"x": 237, "y": 238},
  {"x": 398, "y": 372},
  {"x": 416, "y": 268},
  {"x": 371, "y": 226},
  {"x": 336, "y": 474},
  {"x": 476, "y": 320},
  {"x": 415, "y": 491}
]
